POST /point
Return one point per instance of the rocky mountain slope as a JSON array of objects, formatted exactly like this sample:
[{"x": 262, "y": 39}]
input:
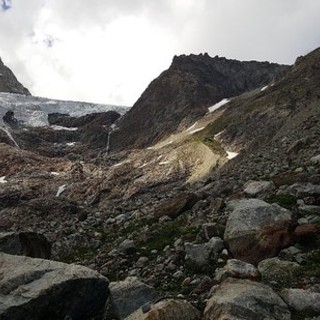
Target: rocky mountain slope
[
  {"x": 278, "y": 126},
  {"x": 219, "y": 219},
  {"x": 9, "y": 83},
  {"x": 183, "y": 93}
]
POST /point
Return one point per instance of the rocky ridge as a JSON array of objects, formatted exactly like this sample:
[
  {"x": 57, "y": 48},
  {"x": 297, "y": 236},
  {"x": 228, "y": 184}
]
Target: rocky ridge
[{"x": 184, "y": 92}]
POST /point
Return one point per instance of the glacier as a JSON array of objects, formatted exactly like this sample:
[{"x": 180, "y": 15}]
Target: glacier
[{"x": 33, "y": 111}]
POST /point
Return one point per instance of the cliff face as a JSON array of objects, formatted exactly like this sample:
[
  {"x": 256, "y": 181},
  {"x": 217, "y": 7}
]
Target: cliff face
[
  {"x": 9, "y": 83},
  {"x": 183, "y": 93}
]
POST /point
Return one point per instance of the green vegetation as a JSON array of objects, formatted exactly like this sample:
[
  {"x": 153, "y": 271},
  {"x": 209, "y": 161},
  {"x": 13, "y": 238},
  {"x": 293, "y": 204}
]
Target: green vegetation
[
  {"x": 165, "y": 234},
  {"x": 80, "y": 254}
]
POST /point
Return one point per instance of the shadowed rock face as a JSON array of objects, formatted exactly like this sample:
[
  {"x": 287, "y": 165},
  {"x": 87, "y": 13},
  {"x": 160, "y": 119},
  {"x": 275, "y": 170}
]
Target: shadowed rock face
[
  {"x": 29, "y": 244},
  {"x": 44, "y": 289},
  {"x": 9, "y": 83},
  {"x": 184, "y": 92},
  {"x": 100, "y": 118}
]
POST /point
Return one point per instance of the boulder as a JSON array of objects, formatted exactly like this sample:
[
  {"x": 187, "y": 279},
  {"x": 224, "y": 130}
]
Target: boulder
[
  {"x": 315, "y": 159},
  {"x": 42, "y": 289},
  {"x": 301, "y": 190},
  {"x": 237, "y": 269},
  {"x": 127, "y": 247},
  {"x": 29, "y": 244},
  {"x": 129, "y": 295},
  {"x": 176, "y": 206},
  {"x": 256, "y": 230},
  {"x": 168, "y": 310},
  {"x": 244, "y": 299},
  {"x": 258, "y": 188},
  {"x": 278, "y": 271},
  {"x": 198, "y": 255},
  {"x": 301, "y": 300}
]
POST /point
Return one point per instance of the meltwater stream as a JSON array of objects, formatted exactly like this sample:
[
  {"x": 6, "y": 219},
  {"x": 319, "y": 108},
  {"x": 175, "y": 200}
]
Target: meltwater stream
[{"x": 3, "y": 128}]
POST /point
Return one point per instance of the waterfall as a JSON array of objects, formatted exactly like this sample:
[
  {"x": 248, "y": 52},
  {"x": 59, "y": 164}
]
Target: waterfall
[
  {"x": 108, "y": 142},
  {"x": 10, "y": 136},
  {"x": 112, "y": 128}
]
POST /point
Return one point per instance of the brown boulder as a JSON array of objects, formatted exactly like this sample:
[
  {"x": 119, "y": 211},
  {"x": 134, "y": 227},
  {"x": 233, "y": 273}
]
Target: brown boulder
[{"x": 176, "y": 206}]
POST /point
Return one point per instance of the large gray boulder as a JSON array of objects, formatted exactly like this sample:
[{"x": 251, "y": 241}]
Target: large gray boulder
[
  {"x": 256, "y": 230},
  {"x": 300, "y": 300},
  {"x": 29, "y": 244},
  {"x": 245, "y": 299},
  {"x": 129, "y": 295},
  {"x": 42, "y": 289}
]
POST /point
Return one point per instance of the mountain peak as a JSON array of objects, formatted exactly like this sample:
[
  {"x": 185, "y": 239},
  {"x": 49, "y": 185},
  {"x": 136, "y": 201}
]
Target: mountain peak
[{"x": 183, "y": 93}]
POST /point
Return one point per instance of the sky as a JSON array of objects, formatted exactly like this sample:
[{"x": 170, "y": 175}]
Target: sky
[{"x": 108, "y": 51}]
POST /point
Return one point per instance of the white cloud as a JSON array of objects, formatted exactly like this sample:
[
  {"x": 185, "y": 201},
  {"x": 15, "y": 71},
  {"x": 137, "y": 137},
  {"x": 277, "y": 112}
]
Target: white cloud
[{"x": 108, "y": 51}]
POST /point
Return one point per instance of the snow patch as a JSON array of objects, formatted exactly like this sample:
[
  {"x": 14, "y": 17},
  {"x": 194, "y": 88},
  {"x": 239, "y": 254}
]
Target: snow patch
[
  {"x": 193, "y": 126},
  {"x": 218, "y": 105},
  {"x": 196, "y": 130},
  {"x": 164, "y": 162},
  {"x": 3, "y": 179},
  {"x": 231, "y": 155},
  {"x": 61, "y": 189},
  {"x": 70, "y": 144},
  {"x": 58, "y": 128},
  {"x": 216, "y": 136},
  {"x": 264, "y": 88},
  {"x": 55, "y": 173}
]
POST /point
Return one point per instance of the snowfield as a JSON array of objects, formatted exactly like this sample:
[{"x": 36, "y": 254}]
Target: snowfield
[
  {"x": 33, "y": 111},
  {"x": 218, "y": 105}
]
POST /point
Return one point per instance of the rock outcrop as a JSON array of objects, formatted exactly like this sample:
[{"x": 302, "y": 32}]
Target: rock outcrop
[{"x": 42, "y": 289}]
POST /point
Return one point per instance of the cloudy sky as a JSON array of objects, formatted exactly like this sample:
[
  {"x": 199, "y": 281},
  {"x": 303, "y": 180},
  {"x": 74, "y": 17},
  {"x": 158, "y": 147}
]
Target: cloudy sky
[{"x": 108, "y": 51}]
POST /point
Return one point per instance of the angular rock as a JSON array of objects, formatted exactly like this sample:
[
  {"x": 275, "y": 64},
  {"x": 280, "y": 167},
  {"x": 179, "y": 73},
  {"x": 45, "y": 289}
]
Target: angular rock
[
  {"x": 129, "y": 295},
  {"x": 29, "y": 244},
  {"x": 42, "y": 289},
  {"x": 209, "y": 230},
  {"x": 258, "y": 188},
  {"x": 198, "y": 255},
  {"x": 315, "y": 159},
  {"x": 127, "y": 247},
  {"x": 306, "y": 233},
  {"x": 301, "y": 300},
  {"x": 168, "y": 310},
  {"x": 278, "y": 271},
  {"x": 237, "y": 269},
  {"x": 244, "y": 299},
  {"x": 176, "y": 206},
  {"x": 256, "y": 230},
  {"x": 301, "y": 190}
]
